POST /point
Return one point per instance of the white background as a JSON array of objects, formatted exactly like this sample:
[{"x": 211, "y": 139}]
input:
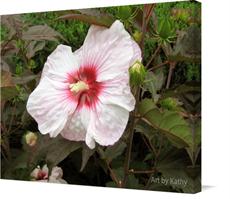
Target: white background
[{"x": 215, "y": 107}]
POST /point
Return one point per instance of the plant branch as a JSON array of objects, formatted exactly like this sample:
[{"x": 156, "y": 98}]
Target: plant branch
[
  {"x": 147, "y": 10},
  {"x": 158, "y": 66},
  {"x": 153, "y": 56},
  {"x": 129, "y": 149},
  {"x": 171, "y": 69},
  {"x": 113, "y": 175}
]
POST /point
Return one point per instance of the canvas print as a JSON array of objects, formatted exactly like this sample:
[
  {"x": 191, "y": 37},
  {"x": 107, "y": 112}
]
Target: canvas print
[{"x": 105, "y": 97}]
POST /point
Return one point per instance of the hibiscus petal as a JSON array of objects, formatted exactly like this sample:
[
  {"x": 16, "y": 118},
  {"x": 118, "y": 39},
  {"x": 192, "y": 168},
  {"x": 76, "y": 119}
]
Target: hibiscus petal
[
  {"x": 76, "y": 127},
  {"x": 50, "y": 105},
  {"x": 89, "y": 140},
  {"x": 110, "y": 50},
  {"x": 117, "y": 91},
  {"x": 60, "y": 63},
  {"x": 108, "y": 124},
  {"x": 136, "y": 53}
]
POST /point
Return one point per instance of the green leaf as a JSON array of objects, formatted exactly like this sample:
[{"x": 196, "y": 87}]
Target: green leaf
[
  {"x": 149, "y": 156},
  {"x": 132, "y": 181},
  {"x": 146, "y": 106},
  {"x": 100, "y": 20},
  {"x": 169, "y": 123},
  {"x": 165, "y": 32},
  {"x": 114, "y": 151},
  {"x": 34, "y": 47},
  {"x": 59, "y": 150},
  {"x": 179, "y": 176},
  {"x": 171, "y": 103},
  {"x": 124, "y": 12},
  {"x": 181, "y": 90},
  {"x": 18, "y": 163},
  {"x": 8, "y": 89},
  {"x": 8, "y": 93},
  {"x": 188, "y": 46},
  {"x": 52, "y": 150},
  {"x": 26, "y": 78},
  {"x": 154, "y": 82},
  {"x": 41, "y": 33},
  {"x": 86, "y": 154},
  {"x": 13, "y": 23},
  {"x": 194, "y": 150},
  {"x": 145, "y": 129},
  {"x": 165, "y": 28}
]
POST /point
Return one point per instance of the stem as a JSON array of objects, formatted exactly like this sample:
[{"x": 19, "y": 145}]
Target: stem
[
  {"x": 158, "y": 66},
  {"x": 11, "y": 120},
  {"x": 128, "y": 153},
  {"x": 153, "y": 56},
  {"x": 6, "y": 146},
  {"x": 113, "y": 175},
  {"x": 172, "y": 66},
  {"x": 144, "y": 25},
  {"x": 4, "y": 156},
  {"x": 148, "y": 12},
  {"x": 150, "y": 146}
]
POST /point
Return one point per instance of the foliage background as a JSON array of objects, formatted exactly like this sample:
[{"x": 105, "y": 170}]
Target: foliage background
[{"x": 166, "y": 136}]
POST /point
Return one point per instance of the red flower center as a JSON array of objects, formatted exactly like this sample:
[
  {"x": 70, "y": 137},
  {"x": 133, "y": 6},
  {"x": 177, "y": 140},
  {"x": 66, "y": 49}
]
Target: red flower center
[
  {"x": 42, "y": 175},
  {"x": 84, "y": 88}
]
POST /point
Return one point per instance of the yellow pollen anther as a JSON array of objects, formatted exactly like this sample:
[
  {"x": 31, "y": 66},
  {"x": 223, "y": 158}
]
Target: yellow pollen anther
[{"x": 79, "y": 86}]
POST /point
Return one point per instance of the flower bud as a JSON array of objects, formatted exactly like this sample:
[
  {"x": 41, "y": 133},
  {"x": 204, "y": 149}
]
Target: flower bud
[
  {"x": 137, "y": 36},
  {"x": 137, "y": 73},
  {"x": 31, "y": 138},
  {"x": 171, "y": 103}
]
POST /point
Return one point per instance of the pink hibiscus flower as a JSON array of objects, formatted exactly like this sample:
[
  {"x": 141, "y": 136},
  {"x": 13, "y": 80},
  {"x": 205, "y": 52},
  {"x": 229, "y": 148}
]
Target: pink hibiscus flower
[
  {"x": 42, "y": 174},
  {"x": 85, "y": 95}
]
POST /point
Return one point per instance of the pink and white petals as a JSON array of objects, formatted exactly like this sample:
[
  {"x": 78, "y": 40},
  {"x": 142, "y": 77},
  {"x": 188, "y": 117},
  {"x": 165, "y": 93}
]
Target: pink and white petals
[
  {"x": 117, "y": 91},
  {"x": 109, "y": 50},
  {"x": 49, "y": 105},
  {"x": 86, "y": 95},
  {"x": 108, "y": 124},
  {"x": 59, "y": 63},
  {"x": 56, "y": 176},
  {"x": 76, "y": 127},
  {"x": 42, "y": 175},
  {"x": 136, "y": 53}
]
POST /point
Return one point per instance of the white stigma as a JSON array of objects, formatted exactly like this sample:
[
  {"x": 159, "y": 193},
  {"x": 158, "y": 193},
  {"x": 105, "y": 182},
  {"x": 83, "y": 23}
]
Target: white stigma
[{"x": 79, "y": 86}]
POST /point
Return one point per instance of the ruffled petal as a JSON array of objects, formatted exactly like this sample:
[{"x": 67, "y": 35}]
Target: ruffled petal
[
  {"x": 89, "y": 140},
  {"x": 76, "y": 127},
  {"x": 56, "y": 172},
  {"x": 50, "y": 105},
  {"x": 34, "y": 173},
  {"x": 136, "y": 53},
  {"x": 45, "y": 169},
  {"x": 117, "y": 91},
  {"x": 109, "y": 49},
  {"x": 60, "y": 63},
  {"x": 108, "y": 124}
]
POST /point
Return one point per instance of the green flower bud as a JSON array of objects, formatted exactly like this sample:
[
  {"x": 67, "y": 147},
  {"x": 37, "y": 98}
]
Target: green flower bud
[
  {"x": 137, "y": 73},
  {"x": 31, "y": 138},
  {"x": 171, "y": 103},
  {"x": 137, "y": 36}
]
